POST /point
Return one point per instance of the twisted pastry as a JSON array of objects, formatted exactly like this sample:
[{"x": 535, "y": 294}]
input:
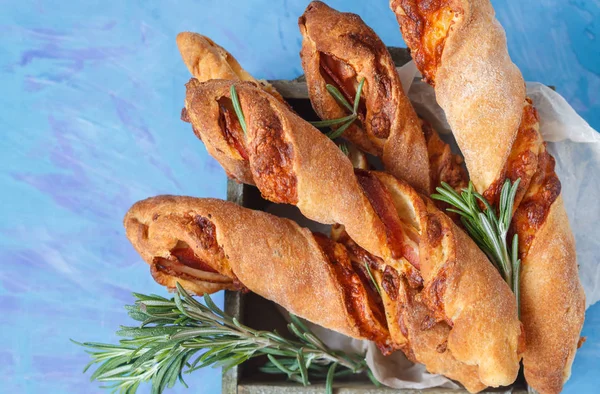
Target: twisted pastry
[
  {"x": 340, "y": 49},
  {"x": 460, "y": 289},
  {"x": 460, "y": 49},
  {"x": 284, "y": 156},
  {"x": 292, "y": 162},
  {"x": 206, "y": 60},
  {"x": 204, "y": 245}
]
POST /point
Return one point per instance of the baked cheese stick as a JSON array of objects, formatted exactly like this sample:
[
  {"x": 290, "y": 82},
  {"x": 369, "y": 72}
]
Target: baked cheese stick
[
  {"x": 340, "y": 49},
  {"x": 460, "y": 48}
]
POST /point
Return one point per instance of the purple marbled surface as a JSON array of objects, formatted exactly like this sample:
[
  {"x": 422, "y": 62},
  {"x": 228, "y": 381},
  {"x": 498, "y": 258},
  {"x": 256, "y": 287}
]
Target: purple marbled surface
[{"x": 92, "y": 93}]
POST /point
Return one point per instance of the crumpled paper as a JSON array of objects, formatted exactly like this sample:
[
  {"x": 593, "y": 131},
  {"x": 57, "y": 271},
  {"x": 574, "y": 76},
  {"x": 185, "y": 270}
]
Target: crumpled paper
[{"x": 576, "y": 148}]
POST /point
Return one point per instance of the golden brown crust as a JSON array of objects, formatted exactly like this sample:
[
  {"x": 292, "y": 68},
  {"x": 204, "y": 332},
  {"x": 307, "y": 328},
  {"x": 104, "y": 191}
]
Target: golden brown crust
[
  {"x": 552, "y": 303},
  {"x": 215, "y": 138},
  {"x": 361, "y": 301},
  {"x": 206, "y": 60},
  {"x": 462, "y": 289},
  {"x": 429, "y": 344},
  {"x": 284, "y": 264},
  {"x": 382, "y": 203},
  {"x": 483, "y": 96},
  {"x": 522, "y": 163},
  {"x": 485, "y": 327},
  {"x": 425, "y": 26},
  {"x": 444, "y": 166},
  {"x": 532, "y": 212},
  {"x": 480, "y": 333},
  {"x": 479, "y": 88},
  {"x": 386, "y": 278},
  {"x": 339, "y": 48},
  {"x": 325, "y": 187}
]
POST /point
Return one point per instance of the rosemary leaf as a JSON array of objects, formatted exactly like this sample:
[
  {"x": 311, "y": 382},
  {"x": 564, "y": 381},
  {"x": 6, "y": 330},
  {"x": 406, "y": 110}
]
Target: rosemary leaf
[
  {"x": 372, "y": 378},
  {"x": 344, "y": 148},
  {"x": 357, "y": 97},
  {"x": 154, "y": 302},
  {"x": 516, "y": 265},
  {"x": 494, "y": 243},
  {"x": 333, "y": 122},
  {"x": 302, "y": 367},
  {"x": 310, "y": 337},
  {"x": 347, "y": 372},
  {"x": 135, "y": 314},
  {"x": 151, "y": 353},
  {"x": 237, "y": 107},
  {"x": 209, "y": 303},
  {"x": 277, "y": 352},
  {"x": 147, "y": 331},
  {"x": 329, "y": 381},
  {"x": 338, "y": 96},
  {"x": 510, "y": 202},
  {"x": 296, "y": 320},
  {"x": 372, "y": 278},
  {"x": 295, "y": 330},
  {"x": 333, "y": 134},
  {"x": 279, "y": 365},
  {"x": 195, "y": 332}
]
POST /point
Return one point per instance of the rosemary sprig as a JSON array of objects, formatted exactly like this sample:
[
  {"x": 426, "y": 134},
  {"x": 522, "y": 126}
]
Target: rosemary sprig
[
  {"x": 345, "y": 121},
  {"x": 488, "y": 228},
  {"x": 180, "y": 335}
]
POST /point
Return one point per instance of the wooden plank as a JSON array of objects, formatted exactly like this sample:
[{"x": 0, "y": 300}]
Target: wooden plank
[{"x": 350, "y": 388}]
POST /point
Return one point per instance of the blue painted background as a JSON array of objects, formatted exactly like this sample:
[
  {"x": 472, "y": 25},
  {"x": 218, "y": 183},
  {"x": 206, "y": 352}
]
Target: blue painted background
[{"x": 90, "y": 99}]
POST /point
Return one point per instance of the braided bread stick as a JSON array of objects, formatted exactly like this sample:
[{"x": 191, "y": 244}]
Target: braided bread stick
[
  {"x": 284, "y": 156},
  {"x": 206, "y": 60},
  {"x": 340, "y": 49},
  {"x": 460, "y": 48},
  {"x": 461, "y": 290},
  {"x": 184, "y": 239}
]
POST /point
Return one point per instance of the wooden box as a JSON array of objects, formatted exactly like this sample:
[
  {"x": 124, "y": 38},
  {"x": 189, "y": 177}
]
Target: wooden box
[{"x": 258, "y": 313}]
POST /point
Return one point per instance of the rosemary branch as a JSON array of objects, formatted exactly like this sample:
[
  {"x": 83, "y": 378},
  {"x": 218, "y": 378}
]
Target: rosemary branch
[
  {"x": 180, "y": 335},
  {"x": 345, "y": 121},
  {"x": 489, "y": 229}
]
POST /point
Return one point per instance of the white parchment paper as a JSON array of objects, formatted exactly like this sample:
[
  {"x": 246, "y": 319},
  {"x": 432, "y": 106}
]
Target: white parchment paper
[{"x": 576, "y": 148}]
